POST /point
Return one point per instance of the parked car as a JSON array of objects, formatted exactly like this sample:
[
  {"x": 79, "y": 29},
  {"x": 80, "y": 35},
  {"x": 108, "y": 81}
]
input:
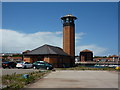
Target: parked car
[
  {"x": 24, "y": 65},
  {"x": 43, "y": 65},
  {"x": 8, "y": 64}
]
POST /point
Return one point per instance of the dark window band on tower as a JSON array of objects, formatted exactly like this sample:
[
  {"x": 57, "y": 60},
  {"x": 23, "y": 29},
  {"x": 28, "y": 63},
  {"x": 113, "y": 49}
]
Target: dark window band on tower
[
  {"x": 68, "y": 20},
  {"x": 68, "y": 24}
]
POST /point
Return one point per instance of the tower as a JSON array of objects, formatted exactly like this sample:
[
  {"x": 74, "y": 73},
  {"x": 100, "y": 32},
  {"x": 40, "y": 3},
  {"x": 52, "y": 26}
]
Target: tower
[{"x": 69, "y": 34}]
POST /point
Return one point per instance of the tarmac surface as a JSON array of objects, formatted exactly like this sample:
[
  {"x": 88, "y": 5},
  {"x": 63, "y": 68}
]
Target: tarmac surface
[
  {"x": 78, "y": 79},
  {"x": 17, "y": 71}
]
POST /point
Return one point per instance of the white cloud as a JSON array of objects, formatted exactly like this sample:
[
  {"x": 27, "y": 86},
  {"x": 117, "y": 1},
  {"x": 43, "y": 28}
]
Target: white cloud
[
  {"x": 13, "y": 41},
  {"x": 97, "y": 50},
  {"x": 59, "y": 32},
  {"x": 79, "y": 35}
]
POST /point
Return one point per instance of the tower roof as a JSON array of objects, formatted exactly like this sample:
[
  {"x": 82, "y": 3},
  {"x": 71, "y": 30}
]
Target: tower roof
[
  {"x": 86, "y": 50},
  {"x": 47, "y": 50},
  {"x": 69, "y": 16}
]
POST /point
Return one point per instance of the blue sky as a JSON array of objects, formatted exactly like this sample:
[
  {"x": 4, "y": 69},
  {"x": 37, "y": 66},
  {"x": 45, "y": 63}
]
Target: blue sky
[{"x": 96, "y": 26}]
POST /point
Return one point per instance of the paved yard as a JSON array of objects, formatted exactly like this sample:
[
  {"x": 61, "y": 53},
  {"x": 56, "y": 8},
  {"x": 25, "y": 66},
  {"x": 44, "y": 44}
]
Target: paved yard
[
  {"x": 78, "y": 79},
  {"x": 17, "y": 71}
]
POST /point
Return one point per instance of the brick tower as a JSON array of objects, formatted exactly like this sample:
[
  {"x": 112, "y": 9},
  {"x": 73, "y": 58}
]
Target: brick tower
[{"x": 69, "y": 34}]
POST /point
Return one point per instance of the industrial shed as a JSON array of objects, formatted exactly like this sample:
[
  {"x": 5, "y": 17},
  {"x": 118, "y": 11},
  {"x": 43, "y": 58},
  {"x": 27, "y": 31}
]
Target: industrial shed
[{"x": 51, "y": 54}]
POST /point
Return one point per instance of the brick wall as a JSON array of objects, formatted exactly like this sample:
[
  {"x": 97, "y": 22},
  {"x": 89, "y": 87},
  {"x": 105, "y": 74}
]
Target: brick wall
[
  {"x": 69, "y": 40},
  {"x": 86, "y": 56}
]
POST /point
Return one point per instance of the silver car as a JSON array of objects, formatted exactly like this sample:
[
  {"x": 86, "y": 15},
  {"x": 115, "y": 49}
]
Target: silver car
[{"x": 24, "y": 65}]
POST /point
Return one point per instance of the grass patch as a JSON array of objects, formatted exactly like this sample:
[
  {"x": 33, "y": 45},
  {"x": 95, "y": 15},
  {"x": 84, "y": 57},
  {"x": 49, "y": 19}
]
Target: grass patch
[
  {"x": 87, "y": 68},
  {"x": 17, "y": 81}
]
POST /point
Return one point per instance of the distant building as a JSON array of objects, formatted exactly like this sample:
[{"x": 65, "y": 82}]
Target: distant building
[
  {"x": 102, "y": 59},
  {"x": 17, "y": 59},
  {"x": 51, "y": 54},
  {"x": 11, "y": 58},
  {"x": 112, "y": 58},
  {"x": 86, "y": 55}
]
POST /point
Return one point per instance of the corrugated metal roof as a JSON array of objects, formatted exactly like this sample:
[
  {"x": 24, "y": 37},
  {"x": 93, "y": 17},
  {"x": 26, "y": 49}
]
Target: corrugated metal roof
[{"x": 47, "y": 49}]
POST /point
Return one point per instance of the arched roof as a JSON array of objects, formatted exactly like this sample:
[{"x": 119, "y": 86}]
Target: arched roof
[{"x": 86, "y": 50}]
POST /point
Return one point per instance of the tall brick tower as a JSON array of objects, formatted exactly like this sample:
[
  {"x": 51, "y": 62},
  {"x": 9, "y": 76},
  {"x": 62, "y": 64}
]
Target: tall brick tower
[{"x": 69, "y": 34}]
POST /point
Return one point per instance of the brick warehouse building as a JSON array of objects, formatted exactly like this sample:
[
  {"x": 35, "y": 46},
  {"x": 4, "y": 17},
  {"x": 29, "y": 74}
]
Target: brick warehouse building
[
  {"x": 51, "y": 54},
  {"x": 55, "y": 55},
  {"x": 86, "y": 55}
]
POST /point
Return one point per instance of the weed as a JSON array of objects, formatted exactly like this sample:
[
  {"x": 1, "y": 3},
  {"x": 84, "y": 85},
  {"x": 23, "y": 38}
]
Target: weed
[{"x": 16, "y": 81}]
